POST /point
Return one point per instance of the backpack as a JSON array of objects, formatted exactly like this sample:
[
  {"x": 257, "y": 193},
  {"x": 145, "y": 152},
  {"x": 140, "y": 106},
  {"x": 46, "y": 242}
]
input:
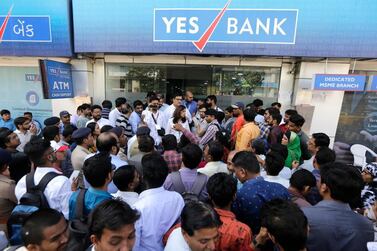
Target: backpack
[
  {"x": 30, "y": 202},
  {"x": 193, "y": 194},
  {"x": 79, "y": 227},
  {"x": 222, "y": 135}
]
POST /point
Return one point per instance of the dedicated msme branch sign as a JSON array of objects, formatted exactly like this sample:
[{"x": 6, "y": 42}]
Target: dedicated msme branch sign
[{"x": 339, "y": 82}]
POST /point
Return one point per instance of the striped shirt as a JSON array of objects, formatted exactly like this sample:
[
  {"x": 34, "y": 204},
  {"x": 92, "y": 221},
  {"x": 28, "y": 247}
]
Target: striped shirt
[
  {"x": 123, "y": 122},
  {"x": 210, "y": 134}
]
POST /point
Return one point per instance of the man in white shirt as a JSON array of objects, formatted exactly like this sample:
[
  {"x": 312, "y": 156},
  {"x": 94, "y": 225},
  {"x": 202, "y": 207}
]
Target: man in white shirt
[
  {"x": 159, "y": 208},
  {"x": 58, "y": 190},
  {"x": 315, "y": 142},
  {"x": 213, "y": 154},
  {"x": 199, "y": 229},
  {"x": 97, "y": 117},
  {"x": 24, "y": 131},
  {"x": 120, "y": 105},
  {"x": 274, "y": 164},
  {"x": 154, "y": 119},
  {"x": 127, "y": 179},
  {"x": 168, "y": 113}
]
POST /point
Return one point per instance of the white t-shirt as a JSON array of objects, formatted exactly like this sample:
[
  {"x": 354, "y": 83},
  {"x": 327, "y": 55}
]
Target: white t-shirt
[{"x": 176, "y": 242}]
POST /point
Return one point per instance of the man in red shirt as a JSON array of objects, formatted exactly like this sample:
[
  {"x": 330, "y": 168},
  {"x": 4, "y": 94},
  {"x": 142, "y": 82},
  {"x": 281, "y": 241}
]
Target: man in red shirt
[
  {"x": 233, "y": 235},
  {"x": 240, "y": 121}
]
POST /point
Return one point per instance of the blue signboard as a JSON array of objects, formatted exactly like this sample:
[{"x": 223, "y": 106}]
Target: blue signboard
[
  {"x": 57, "y": 79},
  {"x": 227, "y": 27},
  {"x": 37, "y": 28},
  {"x": 339, "y": 82},
  {"x": 373, "y": 86}
]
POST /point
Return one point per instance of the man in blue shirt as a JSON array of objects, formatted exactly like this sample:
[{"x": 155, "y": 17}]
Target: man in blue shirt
[
  {"x": 190, "y": 103},
  {"x": 255, "y": 191},
  {"x": 6, "y": 120},
  {"x": 98, "y": 172},
  {"x": 333, "y": 226},
  {"x": 135, "y": 117}
]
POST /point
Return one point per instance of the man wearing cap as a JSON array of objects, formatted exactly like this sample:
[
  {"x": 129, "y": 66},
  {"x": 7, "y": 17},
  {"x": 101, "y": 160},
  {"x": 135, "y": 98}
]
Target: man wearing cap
[
  {"x": 97, "y": 117},
  {"x": 133, "y": 145},
  {"x": 212, "y": 128},
  {"x": 238, "y": 108},
  {"x": 65, "y": 118}
]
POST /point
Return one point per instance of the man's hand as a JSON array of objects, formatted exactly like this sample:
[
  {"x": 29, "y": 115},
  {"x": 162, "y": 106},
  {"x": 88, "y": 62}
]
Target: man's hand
[{"x": 178, "y": 127}]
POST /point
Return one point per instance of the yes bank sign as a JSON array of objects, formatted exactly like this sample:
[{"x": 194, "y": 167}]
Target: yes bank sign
[{"x": 202, "y": 26}]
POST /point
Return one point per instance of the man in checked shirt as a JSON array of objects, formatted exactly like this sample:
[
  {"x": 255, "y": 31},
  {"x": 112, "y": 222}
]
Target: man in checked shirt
[{"x": 212, "y": 128}]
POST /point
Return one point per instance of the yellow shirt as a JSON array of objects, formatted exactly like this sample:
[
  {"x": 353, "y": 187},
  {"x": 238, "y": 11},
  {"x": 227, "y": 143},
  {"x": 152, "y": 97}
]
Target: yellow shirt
[{"x": 248, "y": 132}]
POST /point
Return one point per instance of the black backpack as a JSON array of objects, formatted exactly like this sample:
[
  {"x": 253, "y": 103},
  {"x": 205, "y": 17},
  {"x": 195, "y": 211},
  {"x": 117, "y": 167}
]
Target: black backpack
[
  {"x": 30, "y": 202},
  {"x": 79, "y": 227},
  {"x": 193, "y": 194}
]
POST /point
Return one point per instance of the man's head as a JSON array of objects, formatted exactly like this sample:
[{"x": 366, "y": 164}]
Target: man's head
[
  {"x": 146, "y": 144},
  {"x": 268, "y": 112},
  {"x": 96, "y": 111},
  {"x": 202, "y": 111},
  {"x": 210, "y": 115},
  {"x": 229, "y": 162},
  {"x": 177, "y": 99},
  {"x": 296, "y": 121},
  {"x": 169, "y": 142},
  {"x": 83, "y": 137},
  {"x": 285, "y": 223},
  {"x": 302, "y": 180},
  {"x": 65, "y": 117},
  {"x": 5, "y": 114},
  {"x": 258, "y": 103},
  {"x": 213, "y": 151},
  {"x": 155, "y": 170},
  {"x": 245, "y": 165},
  {"x": 191, "y": 156},
  {"x": 98, "y": 170},
  {"x": 112, "y": 226},
  {"x": 279, "y": 148},
  {"x": 5, "y": 159},
  {"x": 8, "y": 139},
  {"x": 45, "y": 230},
  {"x": 316, "y": 141},
  {"x": 323, "y": 157},
  {"x": 161, "y": 100},
  {"x": 258, "y": 147},
  {"x": 189, "y": 97},
  {"x": 222, "y": 189},
  {"x": 274, "y": 163},
  {"x": 200, "y": 224},
  {"x": 138, "y": 106},
  {"x": 40, "y": 152},
  {"x": 126, "y": 178},
  {"x": 22, "y": 123},
  {"x": 28, "y": 115},
  {"x": 341, "y": 182},
  {"x": 153, "y": 103},
  {"x": 287, "y": 115},
  {"x": 211, "y": 101},
  {"x": 86, "y": 110},
  {"x": 107, "y": 104},
  {"x": 228, "y": 112},
  {"x": 106, "y": 143},
  {"x": 51, "y": 133},
  {"x": 67, "y": 133},
  {"x": 120, "y": 103},
  {"x": 276, "y": 105},
  {"x": 238, "y": 108},
  {"x": 249, "y": 115},
  {"x": 274, "y": 119}
]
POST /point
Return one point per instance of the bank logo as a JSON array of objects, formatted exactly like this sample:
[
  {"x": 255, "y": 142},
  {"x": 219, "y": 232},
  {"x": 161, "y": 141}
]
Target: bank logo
[
  {"x": 25, "y": 28},
  {"x": 226, "y": 25}
]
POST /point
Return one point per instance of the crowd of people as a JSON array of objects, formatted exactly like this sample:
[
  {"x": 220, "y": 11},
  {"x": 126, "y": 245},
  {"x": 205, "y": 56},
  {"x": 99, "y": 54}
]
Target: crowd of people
[{"x": 185, "y": 176}]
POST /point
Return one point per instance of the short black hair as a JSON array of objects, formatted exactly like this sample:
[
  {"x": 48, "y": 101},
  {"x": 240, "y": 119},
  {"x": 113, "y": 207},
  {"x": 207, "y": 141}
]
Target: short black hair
[
  {"x": 28, "y": 113},
  {"x": 96, "y": 169},
  {"x": 286, "y": 222},
  {"x": 105, "y": 142},
  {"x": 197, "y": 215},
  {"x": 36, "y": 223},
  {"x": 249, "y": 115},
  {"x": 344, "y": 182},
  {"x": 120, "y": 101},
  {"x": 146, "y": 143},
  {"x": 107, "y": 104},
  {"x": 93, "y": 107},
  {"x": 4, "y": 111},
  {"x": 229, "y": 109},
  {"x": 272, "y": 110},
  {"x": 221, "y": 188},
  {"x": 216, "y": 150},
  {"x": 152, "y": 98},
  {"x": 276, "y": 104},
  {"x": 276, "y": 116},
  {"x": 324, "y": 156},
  {"x": 177, "y": 94},
  {"x": 220, "y": 116},
  {"x": 247, "y": 161},
  {"x": 302, "y": 178},
  {"x": 106, "y": 128},
  {"x": 291, "y": 112},
  {"x": 258, "y": 102},
  {"x": 279, "y": 148},
  {"x": 191, "y": 156},
  {"x": 124, "y": 176},
  {"x": 50, "y": 132},
  {"x": 137, "y": 103},
  {"x": 92, "y": 126},
  {"x": 112, "y": 215},
  {"x": 212, "y": 97},
  {"x": 259, "y": 146},
  {"x": 321, "y": 139},
  {"x": 297, "y": 119},
  {"x": 274, "y": 163},
  {"x": 155, "y": 170},
  {"x": 169, "y": 142},
  {"x": 85, "y": 106},
  {"x": 4, "y": 139},
  {"x": 68, "y": 130},
  {"x": 35, "y": 149},
  {"x": 19, "y": 121}
]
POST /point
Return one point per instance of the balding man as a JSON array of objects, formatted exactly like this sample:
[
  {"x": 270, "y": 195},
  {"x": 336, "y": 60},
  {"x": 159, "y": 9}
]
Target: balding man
[{"x": 190, "y": 104}]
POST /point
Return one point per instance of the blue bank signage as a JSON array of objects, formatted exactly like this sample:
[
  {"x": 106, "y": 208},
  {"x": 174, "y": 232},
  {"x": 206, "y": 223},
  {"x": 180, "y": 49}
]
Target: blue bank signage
[
  {"x": 42, "y": 29},
  {"x": 56, "y": 79},
  {"x": 373, "y": 86},
  {"x": 339, "y": 82}
]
